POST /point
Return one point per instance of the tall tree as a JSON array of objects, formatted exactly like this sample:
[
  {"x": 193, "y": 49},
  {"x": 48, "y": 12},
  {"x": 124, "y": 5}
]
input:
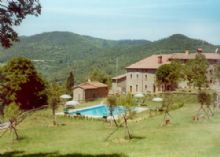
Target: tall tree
[
  {"x": 70, "y": 83},
  {"x": 217, "y": 71},
  {"x": 168, "y": 75},
  {"x": 12, "y": 13},
  {"x": 22, "y": 84},
  {"x": 195, "y": 71}
]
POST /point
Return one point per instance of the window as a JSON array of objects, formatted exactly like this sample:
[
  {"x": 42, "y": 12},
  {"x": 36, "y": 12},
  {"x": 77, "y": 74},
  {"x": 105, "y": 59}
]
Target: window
[
  {"x": 137, "y": 75},
  {"x": 131, "y": 76},
  {"x": 136, "y": 88},
  {"x": 154, "y": 88},
  {"x": 131, "y": 89},
  {"x": 159, "y": 88},
  {"x": 145, "y": 87},
  {"x": 146, "y": 77}
]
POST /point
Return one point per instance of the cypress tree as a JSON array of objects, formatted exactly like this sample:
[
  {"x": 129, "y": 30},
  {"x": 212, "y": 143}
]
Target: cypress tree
[{"x": 70, "y": 82}]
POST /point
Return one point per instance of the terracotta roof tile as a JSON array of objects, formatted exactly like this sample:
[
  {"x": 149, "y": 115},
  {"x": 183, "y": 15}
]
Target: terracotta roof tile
[
  {"x": 98, "y": 84},
  {"x": 150, "y": 62},
  {"x": 119, "y": 77},
  {"x": 91, "y": 85},
  {"x": 87, "y": 86},
  {"x": 179, "y": 56}
]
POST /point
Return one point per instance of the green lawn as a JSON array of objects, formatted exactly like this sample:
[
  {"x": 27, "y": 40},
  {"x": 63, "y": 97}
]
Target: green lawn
[{"x": 85, "y": 138}]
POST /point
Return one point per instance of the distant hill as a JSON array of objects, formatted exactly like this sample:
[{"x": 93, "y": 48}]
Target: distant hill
[
  {"x": 56, "y": 53},
  {"x": 179, "y": 42}
]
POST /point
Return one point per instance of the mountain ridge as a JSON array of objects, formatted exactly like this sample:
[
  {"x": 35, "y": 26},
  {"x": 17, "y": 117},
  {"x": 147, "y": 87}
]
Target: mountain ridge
[{"x": 70, "y": 51}]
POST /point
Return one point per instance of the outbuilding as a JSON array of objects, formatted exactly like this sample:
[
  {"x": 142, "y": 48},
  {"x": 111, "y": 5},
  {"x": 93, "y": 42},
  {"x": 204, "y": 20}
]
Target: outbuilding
[{"x": 90, "y": 91}]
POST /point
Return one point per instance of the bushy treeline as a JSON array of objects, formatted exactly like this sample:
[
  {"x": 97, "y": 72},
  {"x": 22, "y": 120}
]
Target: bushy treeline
[{"x": 22, "y": 84}]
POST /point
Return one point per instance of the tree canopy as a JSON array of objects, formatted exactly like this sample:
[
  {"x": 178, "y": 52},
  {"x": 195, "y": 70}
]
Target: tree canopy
[
  {"x": 169, "y": 75},
  {"x": 11, "y": 113},
  {"x": 101, "y": 76},
  {"x": 195, "y": 71},
  {"x": 204, "y": 98},
  {"x": 217, "y": 71},
  {"x": 12, "y": 13},
  {"x": 22, "y": 84}
]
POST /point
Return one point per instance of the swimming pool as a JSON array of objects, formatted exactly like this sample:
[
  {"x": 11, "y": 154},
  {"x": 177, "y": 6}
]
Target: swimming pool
[{"x": 98, "y": 111}]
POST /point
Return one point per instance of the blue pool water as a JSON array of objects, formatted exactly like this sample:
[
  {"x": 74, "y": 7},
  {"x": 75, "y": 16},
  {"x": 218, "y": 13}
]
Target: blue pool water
[{"x": 98, "y": 111}]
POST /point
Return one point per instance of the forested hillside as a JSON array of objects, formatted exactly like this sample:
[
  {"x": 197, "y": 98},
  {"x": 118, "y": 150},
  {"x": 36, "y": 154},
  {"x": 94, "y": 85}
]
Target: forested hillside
[{"x": 57, "y": 53}]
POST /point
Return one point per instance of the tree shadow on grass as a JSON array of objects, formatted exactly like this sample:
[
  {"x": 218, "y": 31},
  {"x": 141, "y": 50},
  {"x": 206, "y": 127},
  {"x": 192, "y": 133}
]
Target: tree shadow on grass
[
  {"x": 136, "y": 137},
  {"x": 55, "y": 154}
]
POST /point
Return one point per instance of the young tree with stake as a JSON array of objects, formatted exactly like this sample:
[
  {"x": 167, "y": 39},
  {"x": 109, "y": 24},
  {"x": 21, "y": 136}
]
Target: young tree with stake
[
  {"x": 112, "y": 102},
  {"x": 54, "y": 100}
]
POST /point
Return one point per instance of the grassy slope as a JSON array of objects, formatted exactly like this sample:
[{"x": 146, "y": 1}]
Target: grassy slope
[{"x": 183, "y": 138}]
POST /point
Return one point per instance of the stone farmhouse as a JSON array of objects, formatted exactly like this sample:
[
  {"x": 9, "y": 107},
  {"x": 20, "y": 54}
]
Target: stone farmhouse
[
  {"x": 141, "y": 76},
  {"x": 90, "y": 91}
]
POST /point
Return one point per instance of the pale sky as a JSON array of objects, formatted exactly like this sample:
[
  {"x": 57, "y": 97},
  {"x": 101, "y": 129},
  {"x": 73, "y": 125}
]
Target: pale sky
[{"x": 128, "y": 19}]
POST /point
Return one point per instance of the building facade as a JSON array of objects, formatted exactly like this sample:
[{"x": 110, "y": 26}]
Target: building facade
[
  {"x": 119, "y": 84},
  {"x": 141, "y": 76}
]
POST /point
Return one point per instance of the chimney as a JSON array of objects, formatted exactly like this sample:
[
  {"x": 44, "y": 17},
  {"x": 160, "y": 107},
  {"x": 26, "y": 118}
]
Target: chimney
[
  {"x": 187, "y": 52},
  {"x": 199, "y": 50},
  {"x": 160, "y": 59}
]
